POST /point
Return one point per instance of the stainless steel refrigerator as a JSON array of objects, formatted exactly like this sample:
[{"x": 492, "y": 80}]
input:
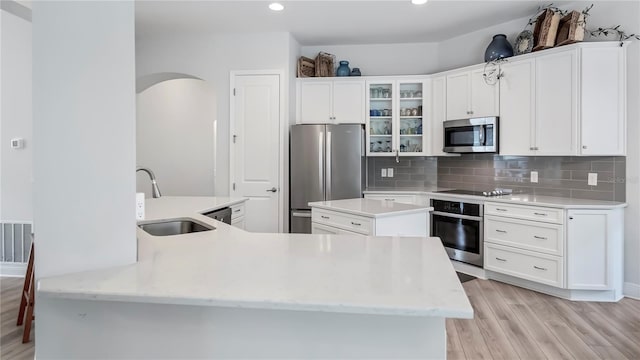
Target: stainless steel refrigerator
[{"x": 328, "y": 162}]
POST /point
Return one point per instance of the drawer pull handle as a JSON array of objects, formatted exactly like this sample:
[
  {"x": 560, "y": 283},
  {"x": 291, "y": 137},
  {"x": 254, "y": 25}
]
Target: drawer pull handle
[
  {"x": 540, "y": 237},
  {"x": 539, "y": 268},
  {"x": 501, "y": 231},
  {"x": 499, "y": 209},
  {"x": 355, "y": 223},
  {"x": 539, "y": 214},
  {"x": 499, "y": 259},
  {"x": 390, "y": 199},
  {"x": 324, "y": 217},
  {"x": 237, "y": 210}
]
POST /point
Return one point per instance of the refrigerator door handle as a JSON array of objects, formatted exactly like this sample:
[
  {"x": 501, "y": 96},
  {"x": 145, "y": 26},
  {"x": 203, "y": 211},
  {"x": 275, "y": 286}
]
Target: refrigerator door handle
[
  {"x": 328, "y": 174},
  {"x": 321, "y": 151}
]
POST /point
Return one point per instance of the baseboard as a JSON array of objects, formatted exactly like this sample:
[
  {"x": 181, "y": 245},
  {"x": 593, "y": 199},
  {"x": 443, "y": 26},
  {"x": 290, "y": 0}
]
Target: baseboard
[
  {"x": 469, "y": 269},
  {"x": 13, "y": 269},
  {"x": 574, "y": 295},
  {"x": 631, "y": 290}
]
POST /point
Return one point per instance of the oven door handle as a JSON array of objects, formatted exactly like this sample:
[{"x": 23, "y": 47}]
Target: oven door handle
[{"x": 457, "y": 216}]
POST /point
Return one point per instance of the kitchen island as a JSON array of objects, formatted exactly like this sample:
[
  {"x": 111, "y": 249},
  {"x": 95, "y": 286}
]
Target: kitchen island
[
  {"x": 230, "y": 293},
  {"x": 369, "y": 217}
]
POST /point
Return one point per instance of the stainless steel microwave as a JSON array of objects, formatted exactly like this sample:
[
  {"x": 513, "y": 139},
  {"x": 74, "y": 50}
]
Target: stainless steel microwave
[{"x": 479, "y": 135}]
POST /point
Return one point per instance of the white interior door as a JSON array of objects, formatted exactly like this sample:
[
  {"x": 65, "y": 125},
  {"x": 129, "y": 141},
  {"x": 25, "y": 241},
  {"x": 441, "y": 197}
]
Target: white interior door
[{"x": 255, "y": 149}]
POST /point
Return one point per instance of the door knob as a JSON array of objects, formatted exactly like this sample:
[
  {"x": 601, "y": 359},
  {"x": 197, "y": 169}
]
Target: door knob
[{"x": 273, "y": 189}]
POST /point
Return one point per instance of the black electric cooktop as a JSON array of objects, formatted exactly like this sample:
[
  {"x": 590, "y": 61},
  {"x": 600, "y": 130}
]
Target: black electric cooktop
[
  {"x": 461, "y": 192},
  {"x": 496, "y": 192}
]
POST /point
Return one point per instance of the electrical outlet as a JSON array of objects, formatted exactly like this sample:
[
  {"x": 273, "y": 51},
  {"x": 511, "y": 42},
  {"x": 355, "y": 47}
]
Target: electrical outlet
[
  {"x": 384, "y": 173},
  {"x": 390, "y": 172},
  {"x": 534, "y": 177},
  {"x": 593, "y": 179},
  {"x": 139, "y": 206}
]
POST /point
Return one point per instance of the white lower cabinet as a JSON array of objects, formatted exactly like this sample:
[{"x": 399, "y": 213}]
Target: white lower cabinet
[
  {"x": 336, "y": 222},
  {"x": 530, "y": 265},
  {"x": 525, "y": 234},
  {"x": 325, "y": 229},
  {"x": 237, "y": 216},
  {"x": 574, "y": 249},
  {"x": 595, "y": 249}
]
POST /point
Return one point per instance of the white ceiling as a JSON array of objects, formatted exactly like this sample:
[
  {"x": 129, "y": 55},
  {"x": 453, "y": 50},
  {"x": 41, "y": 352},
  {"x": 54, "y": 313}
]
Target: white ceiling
[{"x": 332, "y": 22}]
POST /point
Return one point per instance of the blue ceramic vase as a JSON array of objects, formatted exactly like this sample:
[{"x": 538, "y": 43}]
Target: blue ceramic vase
[
  {"x": 498, "y": 48},
  {"x": 343, "y": 69}
]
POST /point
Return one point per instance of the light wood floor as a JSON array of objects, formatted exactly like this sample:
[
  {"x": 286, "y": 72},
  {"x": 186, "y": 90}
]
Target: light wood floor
[
  {"x": 509, "y": 323},
  {"x": 514, "y": 323},
  {"x": 11, "y": 346}
]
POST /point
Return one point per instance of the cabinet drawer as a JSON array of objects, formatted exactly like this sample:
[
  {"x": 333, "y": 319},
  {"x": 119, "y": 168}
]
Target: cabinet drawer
[
  {"x": 237, "y": 211},
  {"x": 541, "y": 268},
  {"x": 359, "y": 224},
  {"x": 405, "y": 199},
  {"x": 530, "y": 235},
  {"x": 536, "y": 213},
  {"x": 324, "y": 229}
]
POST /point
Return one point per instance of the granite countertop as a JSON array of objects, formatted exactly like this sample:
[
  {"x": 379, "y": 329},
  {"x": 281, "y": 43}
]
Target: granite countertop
[
  {"x": 370, "y": 207},
  {"x": 522, "y": 199},
  {"x": 229, "y": 267}
]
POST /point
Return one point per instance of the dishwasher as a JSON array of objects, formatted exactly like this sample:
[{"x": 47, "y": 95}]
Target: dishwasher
[{"x": 223, "y": 215}]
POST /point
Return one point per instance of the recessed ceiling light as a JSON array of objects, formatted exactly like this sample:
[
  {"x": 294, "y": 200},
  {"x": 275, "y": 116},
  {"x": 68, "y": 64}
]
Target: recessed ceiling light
[
  {"x": 276, "y": 7},
  {"x": 418, "y": 2}
]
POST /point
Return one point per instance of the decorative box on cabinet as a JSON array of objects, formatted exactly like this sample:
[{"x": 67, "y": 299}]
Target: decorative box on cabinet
[
  {"x": 469, "y": 96},
  {"x": 397, "y": 116},
  {"x": 565, "y": 101},
  {"x": 331, "y": 101}
]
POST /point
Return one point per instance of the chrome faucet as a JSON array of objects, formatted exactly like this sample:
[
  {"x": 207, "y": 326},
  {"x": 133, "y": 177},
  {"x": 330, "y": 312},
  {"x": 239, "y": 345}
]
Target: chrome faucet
[{"x": 155, "y": 191}]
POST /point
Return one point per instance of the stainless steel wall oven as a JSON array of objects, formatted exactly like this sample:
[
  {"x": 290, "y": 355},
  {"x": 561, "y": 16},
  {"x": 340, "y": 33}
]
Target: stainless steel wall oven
[{"x": 459, "y": 224}]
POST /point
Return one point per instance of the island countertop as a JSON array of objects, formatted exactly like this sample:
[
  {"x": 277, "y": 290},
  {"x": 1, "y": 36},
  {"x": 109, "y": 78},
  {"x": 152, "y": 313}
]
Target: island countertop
[
  {"x": 370, "y": 207},
  {"x": 229, "y": 267},
  {"x": 521, "y": 199}
]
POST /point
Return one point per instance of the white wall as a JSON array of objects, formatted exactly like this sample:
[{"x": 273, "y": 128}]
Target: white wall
[
  {"x": 175, "y": 137},
  {"x": 383, "y": 59},
  {"x": 211, "y": 58},
  {"x": 469, "y": 49},
  {"x": 15, "y": 119},
  {"x": 295, "y": 51},
  {"x": 84, "y": 128}
]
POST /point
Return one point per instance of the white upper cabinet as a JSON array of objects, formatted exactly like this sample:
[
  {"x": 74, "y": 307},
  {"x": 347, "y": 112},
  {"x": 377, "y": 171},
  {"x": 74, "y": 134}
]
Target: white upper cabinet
[
  {"x": 517, "y": 108},
  {"x": 438, "y": 115},
  {"x": 397, "y": 122},
  {"x": 556, "y": 106},
  {"x": 458, "y": 96},
  {"x": 564, "y": 102},
  {"x": 331, "y": 102},
  {"x": 484, "y": 97},
  {"x": 469, "y": 96},
  {"x": 348, "y": 102},
  {"x": 603, "y": 101}
]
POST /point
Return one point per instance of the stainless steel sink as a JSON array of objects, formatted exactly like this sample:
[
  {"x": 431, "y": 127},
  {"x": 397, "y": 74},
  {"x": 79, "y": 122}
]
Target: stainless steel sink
[{"x": 175, "y": 227}]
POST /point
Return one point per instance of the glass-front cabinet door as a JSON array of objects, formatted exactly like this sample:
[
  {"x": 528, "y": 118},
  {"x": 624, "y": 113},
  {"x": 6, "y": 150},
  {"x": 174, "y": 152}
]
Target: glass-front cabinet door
[
  {"x": 396, "y": 124},
  {"x": 411, "y": 121},
  {"x": 380, "y": 127}
]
